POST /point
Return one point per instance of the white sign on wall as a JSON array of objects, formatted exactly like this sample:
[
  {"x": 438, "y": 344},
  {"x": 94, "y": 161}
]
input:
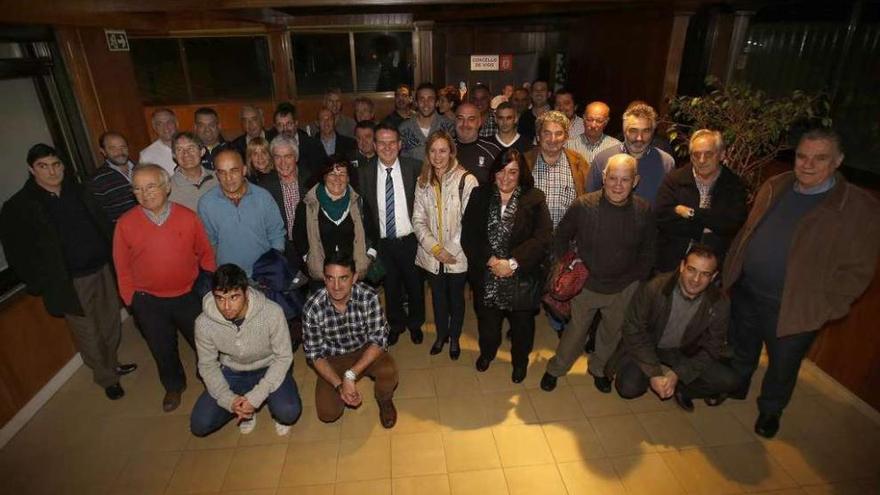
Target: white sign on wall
[{"x": 484, "y": 62}]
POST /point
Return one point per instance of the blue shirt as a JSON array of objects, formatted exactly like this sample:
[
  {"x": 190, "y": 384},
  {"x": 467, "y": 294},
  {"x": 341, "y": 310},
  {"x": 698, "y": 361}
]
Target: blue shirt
[
  {"x": 653, "y": 166},
  {"x": 241, "y": 234}
]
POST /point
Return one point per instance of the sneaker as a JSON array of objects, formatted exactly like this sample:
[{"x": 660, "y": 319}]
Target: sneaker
[
  {"x": 246, "y": 426},
  {"x": 281, "y": 430}
]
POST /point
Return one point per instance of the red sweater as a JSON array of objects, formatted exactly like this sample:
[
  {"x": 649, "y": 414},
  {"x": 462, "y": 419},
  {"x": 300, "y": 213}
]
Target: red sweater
[{"x": 161, "y": 260}]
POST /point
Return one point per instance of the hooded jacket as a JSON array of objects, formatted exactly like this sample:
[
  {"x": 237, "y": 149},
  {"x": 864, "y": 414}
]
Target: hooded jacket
[{"x": 262, "y": 341}]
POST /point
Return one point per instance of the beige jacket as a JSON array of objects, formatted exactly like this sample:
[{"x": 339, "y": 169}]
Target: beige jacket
[
  {"x": 315, "y": 256},
  {"x": 438, "y": 223}
]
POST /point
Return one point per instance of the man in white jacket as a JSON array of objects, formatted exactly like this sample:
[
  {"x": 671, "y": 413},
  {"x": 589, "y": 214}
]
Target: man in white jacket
[{"x": 243, "y": 345}]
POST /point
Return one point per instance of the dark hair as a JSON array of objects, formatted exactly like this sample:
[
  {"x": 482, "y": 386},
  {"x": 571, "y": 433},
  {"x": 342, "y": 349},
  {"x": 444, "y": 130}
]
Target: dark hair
[
  {"x": 365, "y": 124},
  {"x": 506, "y": 105},
  {"x": 384, "y": 126},
  {"x": 333, "y": 161},
  {"x": 564, "y": 91},
  {"x": 107, "y": 134},
  {"x": 206, "y": 111},
  {"x": 184, "y": 135},
  {"x": 339, "y": 259},
  {"x": 427, "y": 85},
  {"x": 39, "y": 150},
  {"x": 229, "y": 277},
  {"x": 364, "y": 99},
  {"x": 541, "y": 80},
  {"x": 284, "y": 108},
  {"x": 451, "y": 93},
  {"x": 703, "y": 251},
  {"x": 823, "y": 133},
  {"x": 526, "y": 181},
  {"x": 480, "y": 86}
]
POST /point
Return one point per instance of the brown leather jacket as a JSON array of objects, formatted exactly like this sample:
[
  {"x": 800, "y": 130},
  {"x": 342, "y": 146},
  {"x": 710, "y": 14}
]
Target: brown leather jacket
[
  {"x": 580, "y": 168},
  {"x": 832, "y": 256}
]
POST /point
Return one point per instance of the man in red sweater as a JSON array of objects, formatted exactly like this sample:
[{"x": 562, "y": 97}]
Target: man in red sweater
[{"x": 157, "y": 250}]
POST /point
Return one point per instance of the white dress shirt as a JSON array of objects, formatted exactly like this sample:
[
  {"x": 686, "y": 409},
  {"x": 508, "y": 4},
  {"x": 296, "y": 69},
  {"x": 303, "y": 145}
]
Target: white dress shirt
[
  {"x": 402, "y": 223},
  {"x": 158, "y": 153}
]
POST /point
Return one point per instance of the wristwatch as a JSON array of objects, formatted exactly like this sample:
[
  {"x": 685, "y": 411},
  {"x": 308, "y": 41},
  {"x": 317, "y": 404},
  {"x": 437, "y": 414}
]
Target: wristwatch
[
  {"x": 350, "y": 375},
  {"x": 513, "y": 264}
]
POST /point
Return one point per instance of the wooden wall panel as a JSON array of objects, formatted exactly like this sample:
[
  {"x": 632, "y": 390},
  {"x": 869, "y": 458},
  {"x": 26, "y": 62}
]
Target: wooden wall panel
[{"x": 35, "y": 346}]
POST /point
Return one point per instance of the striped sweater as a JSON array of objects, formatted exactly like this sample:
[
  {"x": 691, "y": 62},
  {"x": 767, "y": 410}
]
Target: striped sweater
[{"x": 113, "y": 191}]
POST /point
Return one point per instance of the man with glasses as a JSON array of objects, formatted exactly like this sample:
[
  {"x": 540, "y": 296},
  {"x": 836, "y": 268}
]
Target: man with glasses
[
  {"x": 593, "y": 140},
  {"x": 241, "y": 219},
  {"x": 190, "y": 180},
  {"x": 639, "y": 124},
  {"x": 158, "y": 249},
  {"x": 57, "y": 241}
]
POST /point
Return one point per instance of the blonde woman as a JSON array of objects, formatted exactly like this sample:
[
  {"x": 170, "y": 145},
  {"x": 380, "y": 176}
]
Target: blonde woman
[
  {"x": 444, "y": 187},
  {"x": 258, "y": 159}
]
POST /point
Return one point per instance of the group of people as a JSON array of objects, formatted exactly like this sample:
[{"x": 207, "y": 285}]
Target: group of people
[{"x": 686, "y": 284}]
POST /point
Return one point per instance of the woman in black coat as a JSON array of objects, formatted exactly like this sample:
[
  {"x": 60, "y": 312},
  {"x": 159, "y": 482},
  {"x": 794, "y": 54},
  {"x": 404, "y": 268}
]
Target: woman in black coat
[
  {"x": 686, "y": 215},
  {"x": 506, "y": 234}
]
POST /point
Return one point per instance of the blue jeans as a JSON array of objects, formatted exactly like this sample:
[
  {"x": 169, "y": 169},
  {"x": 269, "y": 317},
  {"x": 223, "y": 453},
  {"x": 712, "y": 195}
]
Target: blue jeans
[{"x": 284, "y": 403}]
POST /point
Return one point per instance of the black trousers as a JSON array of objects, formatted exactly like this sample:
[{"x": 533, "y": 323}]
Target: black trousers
[
  {"x": 159, "y": 319},
  {"x": 717, "y": 378},
  {"x": 522, "y": 333},
  {"x": 753, "y": 325},
  {"x": 447, "y": 296},
  {"x": 398, "y": 256}
]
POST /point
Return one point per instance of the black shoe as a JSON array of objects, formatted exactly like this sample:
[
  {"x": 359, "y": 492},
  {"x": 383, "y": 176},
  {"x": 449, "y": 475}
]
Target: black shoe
[
  {"x": 716, "y": 400},
  {"x": 171, "y": 401},
  {"x": 483, "y": 363},
  {"x": 416, "y": 336},
  {"x": 548, "y": 382},
  {"x": 767, "y": 425},
  {"x": 124, "y": 369},
  {"x": 519, "y": 374},
  {"x": 602, "y": 384},
  {"x": 114, "y": 392},
  {"x": 683, "y": 400},
  {"x": 437, "y": 348},
  {"x": 454, "y": 350},
  {"x": 392, "y": 337}
]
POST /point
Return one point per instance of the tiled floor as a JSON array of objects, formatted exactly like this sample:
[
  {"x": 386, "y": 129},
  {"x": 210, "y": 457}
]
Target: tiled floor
[{"x": 459, "y": 432}]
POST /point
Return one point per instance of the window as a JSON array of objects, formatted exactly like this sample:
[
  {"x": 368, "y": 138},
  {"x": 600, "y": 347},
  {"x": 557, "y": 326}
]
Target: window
[
  {"x": 382, "y": 60},
  {"x": 191, "y": 70}
]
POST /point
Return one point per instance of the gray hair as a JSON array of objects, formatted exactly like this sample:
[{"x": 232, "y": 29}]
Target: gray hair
[
  {"x": 640, "y": 111},
  {"x": 703, "y": 133},
  {"x": 244, "y": 108},
  {"x": 284, "y": 141},
  {"x": 164, "y": 178},
  {"x": 555, "y": 117},
  {"x": 622, "y": 159}
]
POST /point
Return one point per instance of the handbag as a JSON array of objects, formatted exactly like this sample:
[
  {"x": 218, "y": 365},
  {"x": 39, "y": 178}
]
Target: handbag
[
  {"x": 568, "y": 282},
  {"x": 527, "y": 294}
]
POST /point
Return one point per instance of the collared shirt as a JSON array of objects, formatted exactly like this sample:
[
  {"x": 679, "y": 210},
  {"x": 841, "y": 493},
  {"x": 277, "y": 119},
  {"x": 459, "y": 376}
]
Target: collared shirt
[
  {"x": 290, "y": 192},
  {"x": 329, "y": 144},
  {"x": 161, "y": 217},
  {"x": 577, "y": 127},
  {"x": 402, "y": 223},
  {"x": 489, "y": 127},
  {"x": 557, "y": 184},
  {"x": 160, "y": 154},
  {"x": 817, "y": 189},
  {"x": 681, "y": 313},
  {"x": 705, "y": 187},
  {"x": 327, "y": 332},
  {"x": 589, "y": 149},
  {"x": 187, "y": 192},
  {"x": 123, "y": 171}
]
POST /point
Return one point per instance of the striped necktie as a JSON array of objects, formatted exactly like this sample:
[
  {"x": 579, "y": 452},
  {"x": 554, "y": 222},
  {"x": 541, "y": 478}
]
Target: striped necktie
[{"x": 390, "y": 231}]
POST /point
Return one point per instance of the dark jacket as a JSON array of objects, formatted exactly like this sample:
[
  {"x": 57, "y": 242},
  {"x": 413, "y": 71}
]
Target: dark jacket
[
  {"x": 646, "y": 318},
  {"x": 311, "y": 152},
  {"x": 240, "y": 144},
  {"x": 272, "y": 183},
  {"x": 832, "y": 257},
  {"x": 345, "y": 145},
  {"x": 210, "y": 155},
  {"x": 33, "y": 245},
  {"x": 530, "y": 237},
  {"x": 409, "y": 169},
  {"x": 724, "y": 217}
]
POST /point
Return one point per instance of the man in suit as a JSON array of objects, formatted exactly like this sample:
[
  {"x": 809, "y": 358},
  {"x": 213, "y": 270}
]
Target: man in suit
[
  {"x": 251, "y": 126},
  {"x": 388, "y": 187},
  {"x": 311, "y": 155},
  {"x": 331, "y": 140}
]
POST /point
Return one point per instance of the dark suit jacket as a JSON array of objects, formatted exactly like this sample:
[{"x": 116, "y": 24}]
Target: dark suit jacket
[
  {"x": 409, "y": 169},
  {"x": 272, "y": 183},
  {"x": 311, "y": 152},
  {"x": 345, "y": 145}
]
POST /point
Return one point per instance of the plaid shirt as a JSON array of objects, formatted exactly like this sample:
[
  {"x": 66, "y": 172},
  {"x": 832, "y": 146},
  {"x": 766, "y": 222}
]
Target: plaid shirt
[
  {"x": 489, "y": 127},
  {"x": 291, "y": 199},
  {"x": 327, "y": 333},
  {"x": 557, "y": 184}
]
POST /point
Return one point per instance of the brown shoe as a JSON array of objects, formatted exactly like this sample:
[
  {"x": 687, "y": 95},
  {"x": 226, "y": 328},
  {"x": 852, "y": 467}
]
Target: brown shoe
[
  {"x": 387, "y": 413},
  {"x": 171, "y": 401}
]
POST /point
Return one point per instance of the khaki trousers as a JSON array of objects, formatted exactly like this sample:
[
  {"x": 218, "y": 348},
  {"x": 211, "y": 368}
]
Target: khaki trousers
[{"x": 383, "y": 371}]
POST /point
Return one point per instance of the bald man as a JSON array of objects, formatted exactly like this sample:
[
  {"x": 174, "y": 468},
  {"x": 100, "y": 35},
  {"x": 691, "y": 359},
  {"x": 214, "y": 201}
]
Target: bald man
[
  {"x": 614, "y": 232},
  {"x": 593, "y": 140}
]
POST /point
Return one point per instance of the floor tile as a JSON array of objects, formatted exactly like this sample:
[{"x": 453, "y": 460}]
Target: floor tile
[
  {"x": 497, "y": 378},
  {"x": 417, "y": 454},
  {"x": 418, "y": 383},
  {"x": 310, "y": 463},
  {"x": 522, "y": 445},
  {"x": 462, "y": 413},
  {"x": 508, "y": 408},
  {"x": 717, "y": 426},
  {"x": 373, "y": 487},
  {"x": 416, "y": 416},
  {"x": 255, "y": 467},
  {"x": 558, "y": 405},
  {"x": 591, "y": 476},
  {"x": 308, "y": 428},
  {"x": 595, "y": 403},
  {"x": 364, "y": 459},
  {"x": 751, "y": 466},
  {"x": 670, "y": 430},
  {"x": 362, "y": 422},
  {"x": 305, "y": 490},
  {"x": 622, "y": 435},
  {"x": 528, "y": 480},
  {"x": 437, "y": 484},
  {"x": 470, "y": 450},
  {"x": 146, "y": 473},
  {"x": 694, "y": 470},
  {"x": 455, "y": 381},
  {"x": 485, "y": 482},
  {"x": 200, "y": 471},
  {"x": 573, "y": 440},
  {"x": 646, "y": 474}
]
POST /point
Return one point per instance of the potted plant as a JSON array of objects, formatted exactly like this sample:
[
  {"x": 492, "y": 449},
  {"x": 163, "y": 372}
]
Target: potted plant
[{"x": 755, "y": 126}]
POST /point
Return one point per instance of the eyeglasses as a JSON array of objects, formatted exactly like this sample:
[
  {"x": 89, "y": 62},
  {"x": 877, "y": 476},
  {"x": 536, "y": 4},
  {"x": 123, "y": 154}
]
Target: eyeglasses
[
  {"x": 149, "y": 188},
  {"x": 595, "y": 121}
]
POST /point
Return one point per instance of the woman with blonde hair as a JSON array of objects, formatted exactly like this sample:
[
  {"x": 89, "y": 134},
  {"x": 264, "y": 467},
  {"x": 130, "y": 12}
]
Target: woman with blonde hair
[
  {"x": 444, "y": 187},
  {"x": 258, "y": 159}
]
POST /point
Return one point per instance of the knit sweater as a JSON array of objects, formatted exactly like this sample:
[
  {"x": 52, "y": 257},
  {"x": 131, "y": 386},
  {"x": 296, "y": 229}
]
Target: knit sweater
[
  {"x": 262, "y": 341},
  {"x": 113, "y": 191},
  {"x": 161, "y": 260}
]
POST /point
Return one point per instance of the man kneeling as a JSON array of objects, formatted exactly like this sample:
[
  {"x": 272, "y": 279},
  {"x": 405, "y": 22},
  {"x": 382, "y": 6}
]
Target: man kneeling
[
  {"x": 673, "y": 335},
  {"x": 244, "y": 358},
  {"x": 345, "y": 336}
]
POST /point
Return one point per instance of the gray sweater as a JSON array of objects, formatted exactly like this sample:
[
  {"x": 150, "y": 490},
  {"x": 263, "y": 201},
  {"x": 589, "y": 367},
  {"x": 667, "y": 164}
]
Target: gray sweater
[{"x": 263, "y": 341}]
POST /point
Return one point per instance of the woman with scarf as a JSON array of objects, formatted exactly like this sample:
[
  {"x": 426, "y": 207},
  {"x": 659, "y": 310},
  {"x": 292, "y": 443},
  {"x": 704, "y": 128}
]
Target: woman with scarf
[
  {"x": 444, "y": 187},
  {"x": 329, "y": 219},
  {"x": 506, "y": 234}
]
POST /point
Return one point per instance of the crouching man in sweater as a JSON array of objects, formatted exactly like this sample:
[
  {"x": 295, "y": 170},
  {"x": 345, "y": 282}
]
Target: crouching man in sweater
[{"x": 244, "y": 358}]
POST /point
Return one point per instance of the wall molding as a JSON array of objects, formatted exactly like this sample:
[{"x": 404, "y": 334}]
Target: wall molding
[{"x": 33, "y": 406}]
